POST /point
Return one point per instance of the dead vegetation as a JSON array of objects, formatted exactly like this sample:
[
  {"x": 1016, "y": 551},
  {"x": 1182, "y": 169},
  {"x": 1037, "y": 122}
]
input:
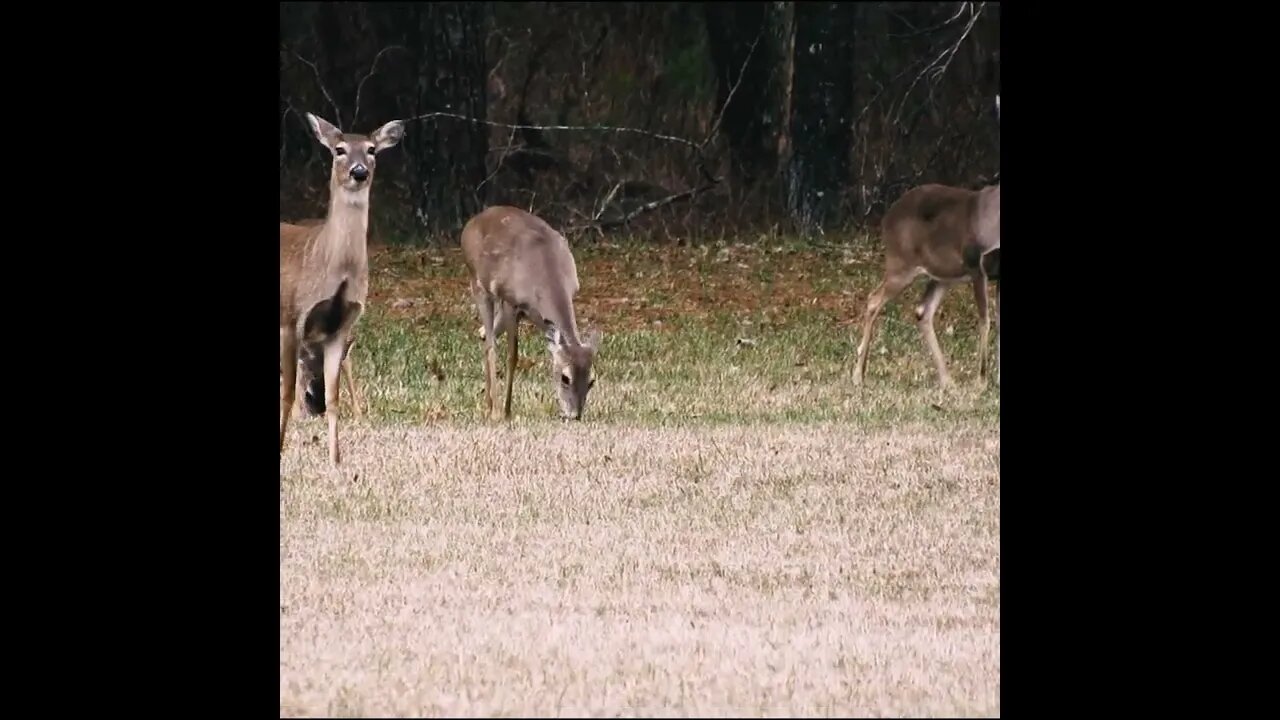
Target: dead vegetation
[{"x": 605, "y": 571}]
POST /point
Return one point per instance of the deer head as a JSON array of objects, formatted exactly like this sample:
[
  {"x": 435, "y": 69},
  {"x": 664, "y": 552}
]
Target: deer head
[
  {"x": 571, "y": 371},
  {"x": 353, "y": 154}
]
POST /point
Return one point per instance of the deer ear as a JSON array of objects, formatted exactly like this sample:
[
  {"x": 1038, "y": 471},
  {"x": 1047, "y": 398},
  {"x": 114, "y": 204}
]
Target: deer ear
[
  {"x": 325, "y": 132},
  {"x": 388, "y": 135}
]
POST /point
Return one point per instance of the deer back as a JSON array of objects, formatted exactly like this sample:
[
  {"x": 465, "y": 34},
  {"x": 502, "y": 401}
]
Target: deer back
[
  {"x": 928, "y": 227},
  {"x": 519, "y": 258}
]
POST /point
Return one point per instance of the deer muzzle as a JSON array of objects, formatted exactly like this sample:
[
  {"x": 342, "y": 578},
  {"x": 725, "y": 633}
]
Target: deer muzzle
[{"x": 360, "y": 173}]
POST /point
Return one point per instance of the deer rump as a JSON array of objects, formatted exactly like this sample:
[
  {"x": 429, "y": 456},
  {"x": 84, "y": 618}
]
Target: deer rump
[{"x": 322, "y": 322}]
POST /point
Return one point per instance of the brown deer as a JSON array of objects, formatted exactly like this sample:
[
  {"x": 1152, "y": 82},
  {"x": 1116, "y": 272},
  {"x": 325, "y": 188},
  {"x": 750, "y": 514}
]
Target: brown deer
[
  {"x": 930, "y": 231},
  {"x": 521, "y": 268},
  {"x": 310, "y": 385},
  {"x": 324, "y": 269}
]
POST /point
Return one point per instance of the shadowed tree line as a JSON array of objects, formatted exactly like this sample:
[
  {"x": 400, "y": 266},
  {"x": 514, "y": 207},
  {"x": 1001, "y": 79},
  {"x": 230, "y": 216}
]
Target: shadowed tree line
[{"x": 740, "y": 118}]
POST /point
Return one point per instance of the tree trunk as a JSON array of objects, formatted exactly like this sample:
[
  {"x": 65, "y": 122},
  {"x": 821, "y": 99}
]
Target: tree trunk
[
  {"x": 447, "y": 154},
  {"x": 821, "y": 114}
]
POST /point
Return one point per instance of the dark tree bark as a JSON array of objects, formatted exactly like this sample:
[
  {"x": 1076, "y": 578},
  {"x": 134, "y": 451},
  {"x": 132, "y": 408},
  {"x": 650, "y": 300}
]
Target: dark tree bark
[
  {"x": 731, "y": 30},
  {"x": 821, "y": 113},
  {"x": 446, "y": 155}
]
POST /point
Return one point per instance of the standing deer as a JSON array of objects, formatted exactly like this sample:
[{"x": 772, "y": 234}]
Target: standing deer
[
  {"x": 929, "y": 230},
  {"x": 521, "y": 268},
  {"x": 324, "y": 269}
]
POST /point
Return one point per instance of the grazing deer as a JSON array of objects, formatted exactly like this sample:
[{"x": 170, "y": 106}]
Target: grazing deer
[
  {"x": 521, "y": 268},
  {"x": 324, "y": 269},
  {"x": 929, "y": 230}
]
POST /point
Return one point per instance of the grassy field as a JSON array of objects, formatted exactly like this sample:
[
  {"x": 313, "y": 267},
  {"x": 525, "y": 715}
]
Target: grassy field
[{"x": 733, "y": 529}]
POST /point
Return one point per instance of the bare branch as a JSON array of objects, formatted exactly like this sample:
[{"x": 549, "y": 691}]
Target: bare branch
[
  {"x": 937, "y": 75},
  {"x": 647, "y": 207},
  {"x": 578, "y": 128},
  {"x": 933, "y": 70},
  {"x": 337, "y": 113},
  {"x": 742, "y": 72},
  {"x": 506, "y": 151},
  {"x": 373, "y": 67},
  {"x": 605, "y": 205},
  {"x": 926, "y": 31}
]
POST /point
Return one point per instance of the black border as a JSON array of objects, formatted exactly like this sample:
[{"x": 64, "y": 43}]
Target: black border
[{"x": 175, "y": 573}]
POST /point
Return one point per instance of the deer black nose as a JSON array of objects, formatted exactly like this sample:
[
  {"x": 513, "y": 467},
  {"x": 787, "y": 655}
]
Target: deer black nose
[{"x": 360, "y": 173}]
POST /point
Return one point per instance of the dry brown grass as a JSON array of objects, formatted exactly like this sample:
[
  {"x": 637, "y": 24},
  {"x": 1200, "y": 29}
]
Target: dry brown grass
[{"x": 601, "y": 570}]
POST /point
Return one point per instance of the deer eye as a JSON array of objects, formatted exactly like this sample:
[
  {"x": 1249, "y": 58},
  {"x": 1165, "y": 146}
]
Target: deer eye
[
  {"x": 340, "y": 151},
  {"x": 373, "y": 150},
  {"x": 591, "y": 383},
  {"x": 564, "y": 380}
]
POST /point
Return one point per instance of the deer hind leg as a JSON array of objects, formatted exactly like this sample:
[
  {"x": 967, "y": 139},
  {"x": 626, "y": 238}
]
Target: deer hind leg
[
  {"x": 984, "y": 324},
  {"x": 513, "y": 355},
  {"x": 334, "y": 350},
  {"x": 887, "y": 290},
  {"x": 484, "y": 308},
  {"x": 997, "y": 333},
  {"x": 288, "y": 378},
  {"x": 933, "y": 294},
  {"x": 504, "y": 321}
]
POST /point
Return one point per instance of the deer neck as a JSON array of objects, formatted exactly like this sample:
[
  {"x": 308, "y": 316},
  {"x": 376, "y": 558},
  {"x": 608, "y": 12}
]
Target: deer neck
[
  {"x": 560, "y": 313},
  {"x": 347, "y": 225}
]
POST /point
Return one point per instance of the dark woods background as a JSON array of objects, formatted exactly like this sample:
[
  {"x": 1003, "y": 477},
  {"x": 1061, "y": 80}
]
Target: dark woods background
[{"x": 833, "y": 111}]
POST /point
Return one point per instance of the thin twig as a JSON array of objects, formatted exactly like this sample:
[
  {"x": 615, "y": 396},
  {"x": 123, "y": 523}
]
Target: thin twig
[
  {"x": 337, "y": 113},
  {"x": 578, "y": 128},
  {"x": 373, "y": 67},
  {"x": 947, "y": 53},
  {"x": 742, "y": 72},
  {"x": 945, "y": 23},
  {"x": 498, "y": 165},
  {"x": 605, "y": 205},
  {"x": 647, "y": 207}
]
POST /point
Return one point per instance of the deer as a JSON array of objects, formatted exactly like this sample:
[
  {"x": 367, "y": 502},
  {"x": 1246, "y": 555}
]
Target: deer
[
  {"x": 324, "y": 270},
  {"x": 951, "y": 235},
  {"x": 930, "y": 231},
  {"x": 522, "y": 269}
]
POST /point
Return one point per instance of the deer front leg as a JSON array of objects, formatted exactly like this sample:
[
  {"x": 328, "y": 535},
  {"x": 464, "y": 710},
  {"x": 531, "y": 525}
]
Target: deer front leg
[
  {"x": 484, "y": 308},
  {"x": 503, "y": 322},
  {"x": 334, "y": 350},
  {"x": 513, "y": 336},
  {"x": 984, "y": 325},
  {"x": 884, "y": 292},
  {"x": 933, "y": 294},
  {"x": 997, "y": 333},
  {"x": 288, "y": 378}
]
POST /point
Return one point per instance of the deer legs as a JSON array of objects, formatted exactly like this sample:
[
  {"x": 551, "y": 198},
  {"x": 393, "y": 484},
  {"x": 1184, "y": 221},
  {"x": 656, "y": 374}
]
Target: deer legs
[
  {"x": 288, "y": 379},
  {"x": 984, "y": 325},
  {"x": 334, "y": 353},
  {"x": 513, "y": 336},
  {"x": 496, "y": 319},
  {"x": 933, "y": 294},
  {"x": 884, "y": 292},
  {"x": 997, "y": 333}
]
